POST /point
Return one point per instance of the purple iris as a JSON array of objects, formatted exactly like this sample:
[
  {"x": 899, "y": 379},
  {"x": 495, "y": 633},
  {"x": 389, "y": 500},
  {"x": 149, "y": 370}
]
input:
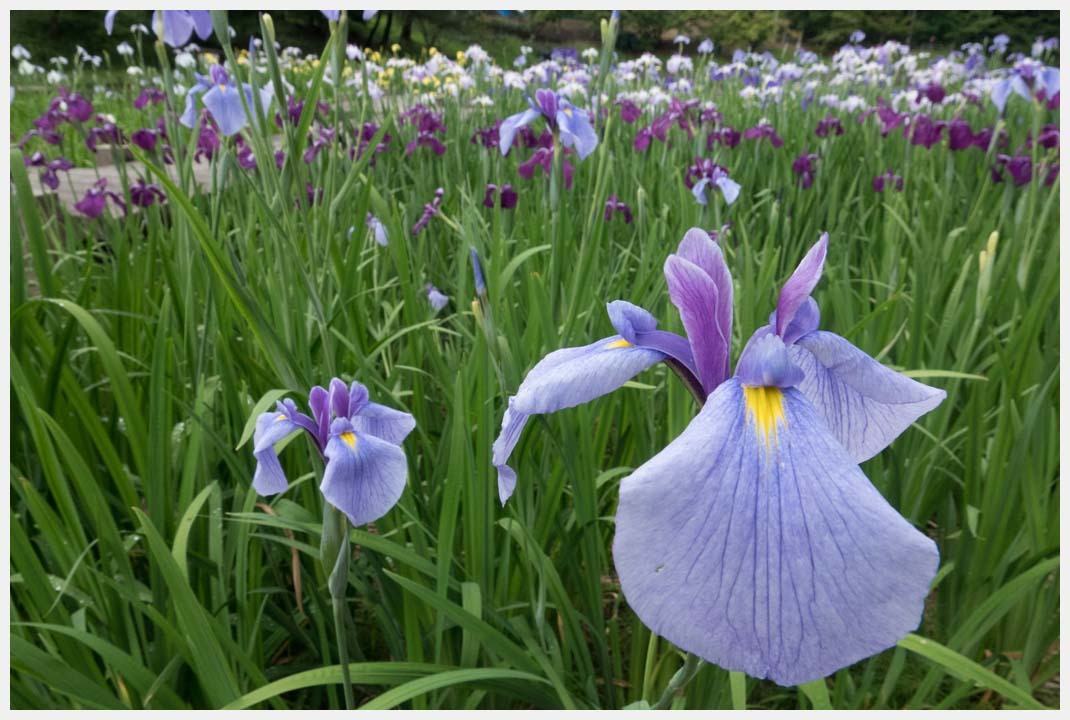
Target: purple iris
[
  {"x": 174, "y": 26},
  {"x": 727, "y": 136},
  {"x": 366, "y": 468},
  {"x": 803, "y": 166},
  {"x": 430, "y": 210},
  {"x": 507, "y": 196},
  {"x": 93, "y": 202},
  {"x": 366, "y": 135},
  {"x": 613, "y": 206},
  {"x": 333, "y": 15},
  {"x": 924, "y": 131},
  {"x": 51, "y": 167},
  {"x": 145, "y": 138},
  {"x": 888, "y": 180},
  {"x": 753, "y": 540},
  {"x": 705, "y": 174},
  {"x": 1019, "y": 166},
  {"x": 144, "y": 194},
  {"x": 543, "y": 158},
  {"x": 830, "y": 124},
  {"x": 763, "y": 130},
  {"x": 629, "y": 111},
  {"x": 73, "y": 105},
  {"x": 565, "y": 120},
  {"x": 149, "y": 95},
  {"x": 428, "y": 125},
  {"x": 223, "y": 101},
  {"x": 106, "y": 131}
]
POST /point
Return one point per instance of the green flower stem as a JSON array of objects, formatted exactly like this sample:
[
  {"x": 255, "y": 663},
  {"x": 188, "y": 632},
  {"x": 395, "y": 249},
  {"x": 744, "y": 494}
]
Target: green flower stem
[{"x": 679, "y": 681}]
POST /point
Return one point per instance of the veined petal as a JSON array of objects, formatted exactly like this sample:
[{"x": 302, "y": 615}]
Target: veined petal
[
  {"x": 177, "y": 26},
  {"x": 999, "y": 93},
  {"x": 109, "y": 20},
  {"x": 765, "y": 549},
  {"x": 864, "y": 404},
  {"x": 202, "y": 23},
  {"x": 699, "y": 190},
  {"x": 189, "y": 113},
  {"x": 320, "y": 403},
  {"x": 801, "y": 284},
  {"x": 365, "y": 476},
  {"x": 697, "y": 297},
  {"x": 383, "y": 422},
  {"x": 629, "y": 319},
  {"x": 765, "y": 361},
  {"x": 271, "y": 427},
  {"x": 563, "y": 379},
  {"x": 511, "y": 126},
  {"x": 224, "y": 102},
  {"x": 698, "y": 247},
  {"x": 729, "y": 188},
  {"x": 576, "y": 130}
]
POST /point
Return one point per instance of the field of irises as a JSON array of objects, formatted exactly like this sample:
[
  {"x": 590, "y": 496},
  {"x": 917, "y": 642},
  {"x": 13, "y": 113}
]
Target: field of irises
[{"x": 783, "y": 330}]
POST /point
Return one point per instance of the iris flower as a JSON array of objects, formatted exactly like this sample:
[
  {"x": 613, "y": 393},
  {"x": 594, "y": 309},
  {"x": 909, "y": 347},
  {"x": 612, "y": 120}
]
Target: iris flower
[
  {"x": 1024, "y": 81},
  {"x": 359, "y": 439},
  {"x": 753, "y": 540},
  {"x": 223, "y": 101},
  {"x": 565, "y": 120},
  {"x": 174, "y": 26}
]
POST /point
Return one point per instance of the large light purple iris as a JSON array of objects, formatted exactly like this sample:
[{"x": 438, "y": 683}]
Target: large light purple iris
[
  {"x": 221, "y": 97},
  {"x": 567, "y": 121},
  {"x": 753, "y": 540},
  {"x": 360, "y": 440}
]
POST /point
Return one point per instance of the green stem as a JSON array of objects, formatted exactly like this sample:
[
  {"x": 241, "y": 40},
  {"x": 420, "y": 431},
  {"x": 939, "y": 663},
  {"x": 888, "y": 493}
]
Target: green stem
[
  {"x": 335, "y": 541},
  {"x": 683, "y": 676}
]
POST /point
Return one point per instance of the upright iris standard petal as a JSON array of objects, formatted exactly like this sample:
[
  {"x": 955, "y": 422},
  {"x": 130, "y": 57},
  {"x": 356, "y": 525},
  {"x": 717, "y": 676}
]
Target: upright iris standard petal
[
  {"x": 383, "y": 422},
  {"x": 864, "y": 404},
  {"x": 766, "y": 362},
  {"x": 202, "y": 23},
  {"x": 109, "y": 20},
  {"x": 754, "y": 541},
  {"x": 365, "y": 475},
  {"x": 700, "y": 286},
  {"x": 801, "y": 283},
  {"x": 563, "y": 379},
  {"x": 511, "y": 126}
]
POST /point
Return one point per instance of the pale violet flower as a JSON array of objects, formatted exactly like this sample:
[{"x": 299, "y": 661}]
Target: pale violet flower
[{"x": 125, "y": 49}]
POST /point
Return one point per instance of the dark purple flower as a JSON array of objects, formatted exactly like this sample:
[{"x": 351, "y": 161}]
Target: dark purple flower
[
  {"x": 51, "y": 167},
  {"x": 959, "y": 135},
  {"x": 73, "y": 105},
  {"x": 144, "y": 195},
  {"x": 246, "y": 157},
  {"x": 145, "y": 138},
  {"x": 629, "y": 111},
  {"x": 934, "y": 92},
  {"x": 149, "y": 95},
  {"x": 280, "y": 159},
  {"x": 1019, "y": 166},
  {"x": 1049, "y": 136},
  {"x": 543, "y": 157},
  {"x": 488, "y": 136},
  {"x": 804, "y": 168},
  {"x": 829, "y": 124},
  {"x": 428, "y": 125},
  {"x": 106, "y": 131},
  {"x": 430, "y": 210},
  {"x": 93, "y": 202},
  {"x": 614, "y": 205},
  {"x": 764, "y": 130},
  {"x": 1051, "y": 174},
  {"x": 706, "y": 174},
  {"x": 508, "y": 197},
  {"x": 488, "y": 198},
  {"x": 315, "y": 194},
  {"x": 642, "y": 139},
  {"x": 888, "y": 180},
  {"x": 923, "y": 131},
  {"x": 325, "y": 138},
  {"x": 208, "y": 142},
  {"x": 727, "y": 136},
  {"x": 366, "y": 134}
]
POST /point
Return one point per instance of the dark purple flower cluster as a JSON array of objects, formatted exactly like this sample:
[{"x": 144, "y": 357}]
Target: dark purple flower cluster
[
  {"x": 923, "y": 130},
  {"x": 1020, "y": 168},
  {"x": 488, "y": 137},
  {"x": 295, "y": 107},
  {"x": 106, "y": 130},
  {"x": 325, "y": 138},
  {"x": 615, "y": 205},
  {"x": 67, "y": 107},
  {"x": 507, "y": 196},
  {"x": 629, "y": 111},
  {"x": 960, "y": 136},
  {"x": 430, "y": 210}
]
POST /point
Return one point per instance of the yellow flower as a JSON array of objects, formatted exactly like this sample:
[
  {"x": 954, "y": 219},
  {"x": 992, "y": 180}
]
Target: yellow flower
[
  {"x": 394, "y": 48},
  {"x": 211, "y": 58},
  {"x": 432, "y": 51}
]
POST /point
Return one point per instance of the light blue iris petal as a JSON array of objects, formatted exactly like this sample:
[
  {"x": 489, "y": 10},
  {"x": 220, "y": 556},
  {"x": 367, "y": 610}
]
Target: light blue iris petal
[
  {"x": 363, "y": 479},
  {"x": 864, "y": 404},
  {"x": 699, "y": 190},
  {"x": 576, "y": 130},
  {"x": 271, "y": 427},
  {"x": 563, "y": 379},
  {"x": 189, "y": 114},
  {"x": 779, "y": 560},
  {"x": 511, "y": 126},
  {"x": 729, "y": 188},
  {"x": 225, "y": 105}
]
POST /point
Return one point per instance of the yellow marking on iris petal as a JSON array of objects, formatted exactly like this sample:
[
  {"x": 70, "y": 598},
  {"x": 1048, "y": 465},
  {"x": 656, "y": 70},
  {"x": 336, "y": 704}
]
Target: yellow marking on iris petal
[
  {"x": 568, "y": 111},
  {"x": 349, "y": 439},
  {"x": 765, "y": 405},
  {"x": 282, "y": 416},
  {"x": 622, "y": 343}
]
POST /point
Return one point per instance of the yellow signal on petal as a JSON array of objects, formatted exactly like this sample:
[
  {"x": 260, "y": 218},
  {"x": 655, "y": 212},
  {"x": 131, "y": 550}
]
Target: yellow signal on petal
[
  {"x": 349, "y": 439},
  {"x": 281, "y": 417},
  {"x": 622, "y": 343},
  {"x": 765, "y": 406}
]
